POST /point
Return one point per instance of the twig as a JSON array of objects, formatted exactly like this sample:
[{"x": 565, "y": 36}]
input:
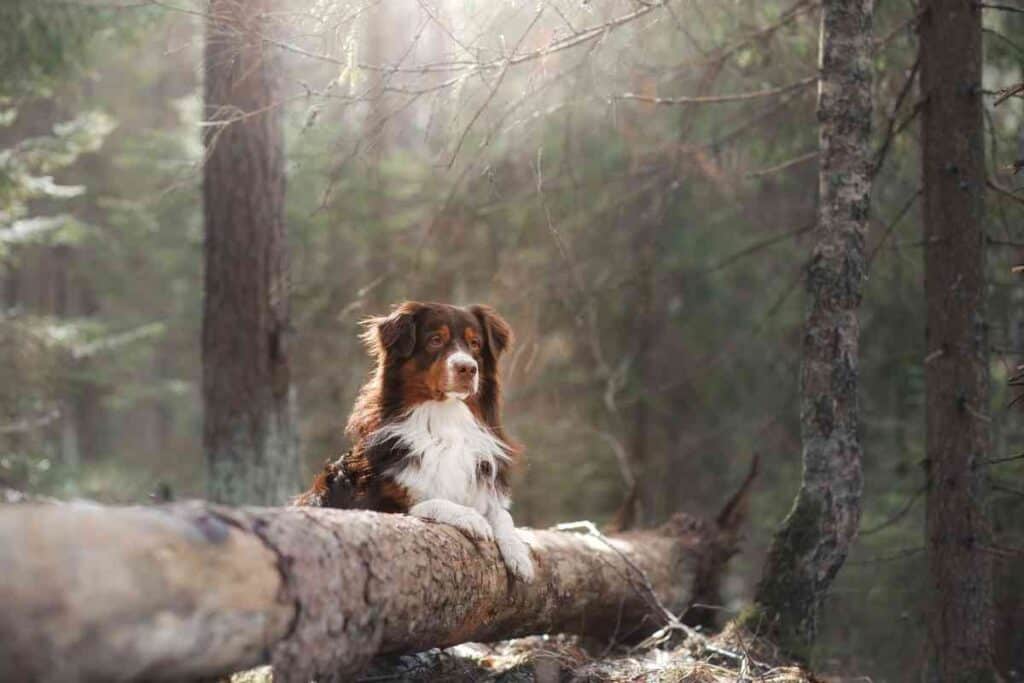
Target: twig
[
  {"x": 621, "y": 456},
  {"x": 996, "y": 461},
  {"x": 892, "y": 225},
  {"x": 991, "y": 31},
  {"x": 718, "y": 99},
  {"x": 672, "y": 622},
  {"x": 1001, "y": 8},
  {"x": 784, "y": 165},
  {"x": 27, "y": 424},
  {"x": 1004, "y": 191},
  {"x": 993, "y": 242},
  {"x": 116, "y": 341},
  {"x": 444, "y": 29},
  {"x": 898, "y": 555},
  {"x": 1007, "y": 93},
  {"x": 757, "y": 246},
  {"x": 909, "y": 21},
  {"x": 997, "y": 486},
  {"x": 796, "y": 11},
  {"x": 897, "y": 516},
  {"x": 590, "y": 529},
  {"x": 890, "y": 130},
  {"x": 583, "y": 36},
  {"x": 494, "y": 89}
]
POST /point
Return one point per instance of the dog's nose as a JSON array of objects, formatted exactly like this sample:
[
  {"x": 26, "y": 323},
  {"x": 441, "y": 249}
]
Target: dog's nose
[{"x": 464, "y": 368}]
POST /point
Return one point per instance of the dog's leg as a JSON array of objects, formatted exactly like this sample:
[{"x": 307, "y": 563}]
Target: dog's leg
[
  {"x": 467, "y": 520},
  {"x": 513, "y": 550}
]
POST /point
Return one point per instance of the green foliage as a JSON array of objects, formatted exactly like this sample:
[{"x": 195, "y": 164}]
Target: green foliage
[
  {"x": 43, "y": 41},
  {"x": 26, "y": 175}
]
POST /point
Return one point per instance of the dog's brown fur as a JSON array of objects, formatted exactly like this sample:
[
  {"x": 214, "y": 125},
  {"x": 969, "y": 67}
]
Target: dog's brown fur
[{"x": 408, "y": 371}]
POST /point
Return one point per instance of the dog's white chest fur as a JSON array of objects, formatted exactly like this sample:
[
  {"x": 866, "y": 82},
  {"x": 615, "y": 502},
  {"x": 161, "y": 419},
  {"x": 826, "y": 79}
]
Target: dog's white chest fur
[{"x": 448, "y": 451}]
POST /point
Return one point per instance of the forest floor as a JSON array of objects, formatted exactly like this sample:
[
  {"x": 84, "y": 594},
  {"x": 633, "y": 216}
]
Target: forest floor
[{"x": 728, "y": 656}]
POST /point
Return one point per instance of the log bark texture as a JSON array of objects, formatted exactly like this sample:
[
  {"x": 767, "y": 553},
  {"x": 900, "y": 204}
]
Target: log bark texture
[
  {"x": 179, "y": 592},
  {"x": 812, "y": 544}
]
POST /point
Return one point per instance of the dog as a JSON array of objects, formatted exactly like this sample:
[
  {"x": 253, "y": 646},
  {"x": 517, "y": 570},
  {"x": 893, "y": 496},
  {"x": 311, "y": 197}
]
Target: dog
[{"x": 426, "y": 427}]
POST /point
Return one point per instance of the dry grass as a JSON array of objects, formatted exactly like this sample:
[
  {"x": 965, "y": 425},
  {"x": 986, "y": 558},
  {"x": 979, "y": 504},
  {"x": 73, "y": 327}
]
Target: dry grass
[{"x": 730, "y": 656}]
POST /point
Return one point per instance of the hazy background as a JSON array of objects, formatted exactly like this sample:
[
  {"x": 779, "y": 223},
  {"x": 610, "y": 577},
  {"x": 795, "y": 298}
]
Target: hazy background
[{"x": 648, "y": 257}]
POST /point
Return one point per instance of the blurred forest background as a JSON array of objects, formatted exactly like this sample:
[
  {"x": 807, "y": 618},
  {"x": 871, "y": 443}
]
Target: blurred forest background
[{"x": 648, "y": 253}]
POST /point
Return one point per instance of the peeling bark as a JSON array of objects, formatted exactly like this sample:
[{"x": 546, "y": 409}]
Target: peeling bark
[
  {"x": 93, "y": 593},
  {"x": 812, "y": 544}
]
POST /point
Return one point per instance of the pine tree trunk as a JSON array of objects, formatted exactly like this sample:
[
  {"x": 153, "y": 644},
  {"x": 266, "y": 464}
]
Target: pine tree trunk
[
  {"x": 248, "y": 435},
  {"x": 956, "y": 365},
  {"x": 815, "y": 537}
]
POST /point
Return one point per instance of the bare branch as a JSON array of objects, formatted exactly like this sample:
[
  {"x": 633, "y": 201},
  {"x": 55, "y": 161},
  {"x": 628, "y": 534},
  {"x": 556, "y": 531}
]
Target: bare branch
[
  {"x": 1001, "y": 8},
  {"x": 890, "y": 129},
  {"x": 1006, "y": 192},
  {"x": 28, "y": 424},
  {"x": 1012, "y": 91},
  {"x": 758, "y": 246},
  {"x": 997, "y": 461},
  {"x": 896, "y": 516},
  {"x": 893, "y": 223},
  {"x": 803, "y": 158},
  {"x": 890, "y": 557},
  {"x": 718, "y": 99},
  {"x": 494, "y": 88}
]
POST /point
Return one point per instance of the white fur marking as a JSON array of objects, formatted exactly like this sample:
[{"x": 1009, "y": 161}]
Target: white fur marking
[
  {"x": 513, "y": 550},
  {"x": 467, "y": 520},
  {"x": 463, "y": 357},
  {"x": 450, "y": 445}
]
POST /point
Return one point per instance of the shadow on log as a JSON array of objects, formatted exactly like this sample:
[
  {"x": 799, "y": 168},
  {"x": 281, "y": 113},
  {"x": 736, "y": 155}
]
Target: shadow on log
[{"x": 192, "y": 590}]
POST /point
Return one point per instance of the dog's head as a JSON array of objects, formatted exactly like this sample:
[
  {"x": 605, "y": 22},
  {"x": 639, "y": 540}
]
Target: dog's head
[{"x": 433, "y": 352}]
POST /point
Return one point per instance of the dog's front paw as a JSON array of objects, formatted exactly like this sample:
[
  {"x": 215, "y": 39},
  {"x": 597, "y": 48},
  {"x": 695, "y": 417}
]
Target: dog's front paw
[
  {"x": 516, "y": 555},
  {"x": 467, "y": 520},
  {"x": 473, "y": 524}
]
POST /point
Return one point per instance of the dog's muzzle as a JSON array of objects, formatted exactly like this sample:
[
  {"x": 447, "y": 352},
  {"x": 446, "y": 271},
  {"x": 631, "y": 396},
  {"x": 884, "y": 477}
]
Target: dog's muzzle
[{"x": 463, "y": 375}]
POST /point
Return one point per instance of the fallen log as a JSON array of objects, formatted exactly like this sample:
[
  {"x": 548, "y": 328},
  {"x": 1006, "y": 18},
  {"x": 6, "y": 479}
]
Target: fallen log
[{"x": 187, "y": 591}]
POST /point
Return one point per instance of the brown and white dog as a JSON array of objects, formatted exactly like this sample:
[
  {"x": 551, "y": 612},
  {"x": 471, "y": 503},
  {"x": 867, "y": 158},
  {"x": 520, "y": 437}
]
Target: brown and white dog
[{"x": 426, "y": 427}]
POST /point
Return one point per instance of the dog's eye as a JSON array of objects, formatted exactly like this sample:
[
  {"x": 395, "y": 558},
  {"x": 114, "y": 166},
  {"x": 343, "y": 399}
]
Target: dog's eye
[
  {"x": 434, "y": 341},
  {"x": 474, "y": 344}
]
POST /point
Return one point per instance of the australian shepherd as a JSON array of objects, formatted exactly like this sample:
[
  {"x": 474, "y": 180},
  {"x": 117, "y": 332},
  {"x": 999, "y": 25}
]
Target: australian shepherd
[{"x": 426, "y": 427}]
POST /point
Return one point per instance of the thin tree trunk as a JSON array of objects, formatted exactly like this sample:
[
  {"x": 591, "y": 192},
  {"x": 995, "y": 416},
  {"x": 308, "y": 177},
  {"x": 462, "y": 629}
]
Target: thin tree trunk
[
  {"x": 179, "y": 592},
  {"x": 956, "y": 365},
  {"x": 644, "y": 467},
  {"x": 248, "y": 435},
  {"x": 815, "y": 537}
]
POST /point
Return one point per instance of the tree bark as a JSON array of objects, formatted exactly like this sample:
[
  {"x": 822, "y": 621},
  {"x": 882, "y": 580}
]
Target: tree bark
[
  {"x": 815, "y": 537},
  {"x": 248, "y": 433},
  {"x": 93, "y": 593},
  {"x": 956, "y": 366}
]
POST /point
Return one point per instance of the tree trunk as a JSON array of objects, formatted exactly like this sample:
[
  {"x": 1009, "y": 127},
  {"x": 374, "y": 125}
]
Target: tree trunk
[
  {"x": 248, "y": 435},
  {"x": 956, "y": 365},
  {"x": 193, "y": 590},
  {"x": 815, "y": 537}
]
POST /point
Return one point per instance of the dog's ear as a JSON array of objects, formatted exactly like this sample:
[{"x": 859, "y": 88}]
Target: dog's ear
[
  {"x": 394, "y": 334},
  {"x": 497, "y": 332}
]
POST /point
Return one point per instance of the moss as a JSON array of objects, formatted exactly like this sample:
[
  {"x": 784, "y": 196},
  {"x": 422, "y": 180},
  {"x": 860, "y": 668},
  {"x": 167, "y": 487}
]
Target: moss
[
  {"x": 753, "y": 619},
  {"x": 786, "y": 602}
]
